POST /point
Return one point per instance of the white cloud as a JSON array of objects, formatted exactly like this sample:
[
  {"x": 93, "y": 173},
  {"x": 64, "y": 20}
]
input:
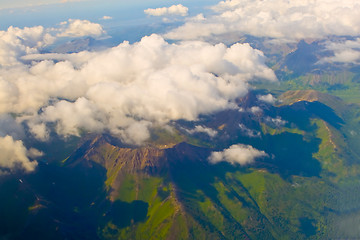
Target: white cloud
[
  {"x": 248, "y": 132},
  {"x": 237, "y": 154},
  {"x": 106, "y": 18},
  {"x": 267, "y": 98},
  {"x": 136, "y": 133},
  {"x": 16, "y": 42},
  {"x": 173, "y": 10},
  {"x": 296, "y": 19},
  {"x": 14, "y": 156},
  {"x": 345, "y": 51},
  {"x": 157, "y": 82},
  {"x": 39, "y": 130},
  {"x": 201, "y": 129},
  {"x": 34, "y": 153},
  {"x": 79, "y": 28},
  {"x": 124, "y": 88},
  {"x": 277, "y": 122},
  {"x": 255, "y": 110},
  {"x": 71, "y": 117}
]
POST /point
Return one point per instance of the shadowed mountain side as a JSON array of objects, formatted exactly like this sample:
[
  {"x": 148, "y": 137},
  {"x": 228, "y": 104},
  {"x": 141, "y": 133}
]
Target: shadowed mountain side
[
  {"x": 184, "y": 169},
  {"x": 290, "y": 154},
  {"x": 124, "y": 214},
  {"x": 301, "y": 113},
  {"x": 69, "y": 201},
  {"x": 303, "y": 59},
  {"x": 15, "y": 199}
]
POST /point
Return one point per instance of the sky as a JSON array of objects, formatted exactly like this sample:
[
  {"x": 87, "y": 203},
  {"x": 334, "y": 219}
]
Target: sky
[
  {"x": 179, "y": 64},
  {"x": 23, "y": 3},
  {"x": 30, "y": 13},
  {"x": 26, "y": 3}
]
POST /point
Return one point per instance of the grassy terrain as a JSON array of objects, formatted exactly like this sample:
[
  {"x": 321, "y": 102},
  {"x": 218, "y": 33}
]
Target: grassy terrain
[
  {"x": 343, "y": 84},
  {"x": 307, "y": 188},
  {"x": 162, "y": 216}
]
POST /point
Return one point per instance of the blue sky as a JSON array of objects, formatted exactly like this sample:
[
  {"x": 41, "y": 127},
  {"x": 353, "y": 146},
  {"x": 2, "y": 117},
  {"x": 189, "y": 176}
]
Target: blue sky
[{"x": 22, "y": 13}]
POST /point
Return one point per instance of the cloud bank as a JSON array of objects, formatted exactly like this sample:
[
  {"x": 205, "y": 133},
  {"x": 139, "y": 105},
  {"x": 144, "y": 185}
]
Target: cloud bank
[
  {"x": 144, "y": 83},
  {"x": 124, "y": 90},
  {"x": 292, "y": 20},
  {"x": 16, "y": 42},
  {"x": 149, "y": 82},
  {"x": 237, "y": 154},
  {"x": 172, "y": 10}
]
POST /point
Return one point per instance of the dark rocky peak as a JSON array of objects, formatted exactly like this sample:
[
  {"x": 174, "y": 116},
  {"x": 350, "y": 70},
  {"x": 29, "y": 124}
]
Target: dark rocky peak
[{"x": 250, "y": 100}]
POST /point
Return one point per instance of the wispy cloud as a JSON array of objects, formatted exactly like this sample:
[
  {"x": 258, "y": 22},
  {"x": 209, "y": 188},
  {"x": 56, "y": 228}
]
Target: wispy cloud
[{"x": 106, "y": 18}]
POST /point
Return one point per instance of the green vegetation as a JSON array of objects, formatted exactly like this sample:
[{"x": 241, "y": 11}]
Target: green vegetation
[
  {"x": 307, "y": 188},
  {"x": 163, "y": 215}
]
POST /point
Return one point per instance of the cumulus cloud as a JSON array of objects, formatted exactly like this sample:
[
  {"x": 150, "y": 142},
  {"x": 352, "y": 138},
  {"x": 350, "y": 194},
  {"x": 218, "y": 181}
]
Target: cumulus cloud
[
  {"x": 172, "y": 10},
  {"x": 16, "y": 42},
  {"x": 79, "y": 28},
  {"x": 34, "y": 153},
  {"x": 269, "y": 98},
  {"x": 154, "y": 81},
  {"x": 296, "y": 19},
  {"x": 237, "y": 154},
  {"x": 126, "y": 88},
  {"x": 14, "y": 156},
  {"x": 71, "y": 116}
]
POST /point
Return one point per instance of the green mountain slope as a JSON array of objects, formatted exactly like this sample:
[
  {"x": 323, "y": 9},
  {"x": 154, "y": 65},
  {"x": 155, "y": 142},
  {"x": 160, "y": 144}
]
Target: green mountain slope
[{"x": 305, "y": 188}]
